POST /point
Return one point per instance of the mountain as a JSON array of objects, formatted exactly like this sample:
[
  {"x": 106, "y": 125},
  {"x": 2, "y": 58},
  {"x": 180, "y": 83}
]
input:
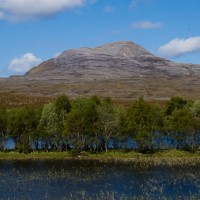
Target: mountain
[
  {"x": 111, "y": 61},
  {"x": 122, "y": 70},
  {"x": 96, "y": 63}
]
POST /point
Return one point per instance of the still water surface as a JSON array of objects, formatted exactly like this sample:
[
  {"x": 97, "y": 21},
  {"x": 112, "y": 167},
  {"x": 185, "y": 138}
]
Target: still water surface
[{"x": 75, "y": 179}]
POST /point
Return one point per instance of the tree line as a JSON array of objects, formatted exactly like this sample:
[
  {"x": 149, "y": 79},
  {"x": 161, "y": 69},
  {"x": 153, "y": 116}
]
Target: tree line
[{"x": 96, "y": 124}]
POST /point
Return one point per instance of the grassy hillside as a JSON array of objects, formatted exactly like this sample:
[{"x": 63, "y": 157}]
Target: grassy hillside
[{"x": 10, "y": 100}]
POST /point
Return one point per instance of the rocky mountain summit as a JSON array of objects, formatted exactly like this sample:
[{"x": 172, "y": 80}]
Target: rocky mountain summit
[
  {"x": 121, "y": 70},
  {"x": 111, "y": 61}
]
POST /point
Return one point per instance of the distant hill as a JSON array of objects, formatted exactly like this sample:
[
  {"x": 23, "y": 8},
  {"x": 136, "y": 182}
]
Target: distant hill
[
  {"x": 121, "y": 70},
  {"x": 111, "y": 61}
]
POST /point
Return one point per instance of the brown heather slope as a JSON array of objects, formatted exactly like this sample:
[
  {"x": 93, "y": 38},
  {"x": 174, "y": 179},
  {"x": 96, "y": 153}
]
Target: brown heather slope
[
  {"x": 121, "y": 70},
  {"x": 10, "y": 100}
]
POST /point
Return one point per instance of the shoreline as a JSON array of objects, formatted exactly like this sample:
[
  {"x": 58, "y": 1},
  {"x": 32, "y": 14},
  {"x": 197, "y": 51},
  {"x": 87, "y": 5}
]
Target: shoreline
[{"x": 167, "y": 158}]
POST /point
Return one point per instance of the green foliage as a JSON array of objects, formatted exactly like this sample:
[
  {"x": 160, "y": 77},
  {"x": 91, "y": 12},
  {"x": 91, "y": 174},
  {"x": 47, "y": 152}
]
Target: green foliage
[
  {"x": 143, "y": 120},
  {"x": 22, "y": 124},
  {"x": 50, "y": 125},
  {"x": 182, "y": 121},
  {"x": 95, "y": 99},
  {"x": 79, "y": 103},
  {"x": 195, "y": 109},
  {"x": 122, "y": 127},
  {"x": 74, "y": 128},
  {"x": 91, "y": 123},
  {"x": 3, "y": 127},
  {"x": 62, "y": 104},
  {"x": 108, "y": 120},
  {"x": 49, "y": 119},
  {"x": 175, "y": 103},
  {"x": 183, "y": 124},
  {"x": 3, "y": 120},
  {"x": 80, "y": 123}
]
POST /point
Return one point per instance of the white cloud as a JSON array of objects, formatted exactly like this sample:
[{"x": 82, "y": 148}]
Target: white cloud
[
  {"x": 24, "y": 63},
  {"x": 178, "y": 47},
  {"x": 109, "y": 9},
  {"x": 31, "y": 9},
  {"x": 146, "y": 25}
]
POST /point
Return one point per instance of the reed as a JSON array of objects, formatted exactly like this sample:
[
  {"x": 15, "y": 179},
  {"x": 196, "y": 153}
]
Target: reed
[{"x": 164, "y": 158}]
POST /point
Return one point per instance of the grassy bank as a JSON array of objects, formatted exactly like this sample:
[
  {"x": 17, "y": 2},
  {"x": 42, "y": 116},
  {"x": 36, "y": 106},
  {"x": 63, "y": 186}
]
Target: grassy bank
[{"x": 162, "y": 158}]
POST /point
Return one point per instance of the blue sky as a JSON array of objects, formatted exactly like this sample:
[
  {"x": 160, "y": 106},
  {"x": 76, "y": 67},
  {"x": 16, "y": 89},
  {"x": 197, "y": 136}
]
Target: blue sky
[{"x": 33, "y": 31}]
